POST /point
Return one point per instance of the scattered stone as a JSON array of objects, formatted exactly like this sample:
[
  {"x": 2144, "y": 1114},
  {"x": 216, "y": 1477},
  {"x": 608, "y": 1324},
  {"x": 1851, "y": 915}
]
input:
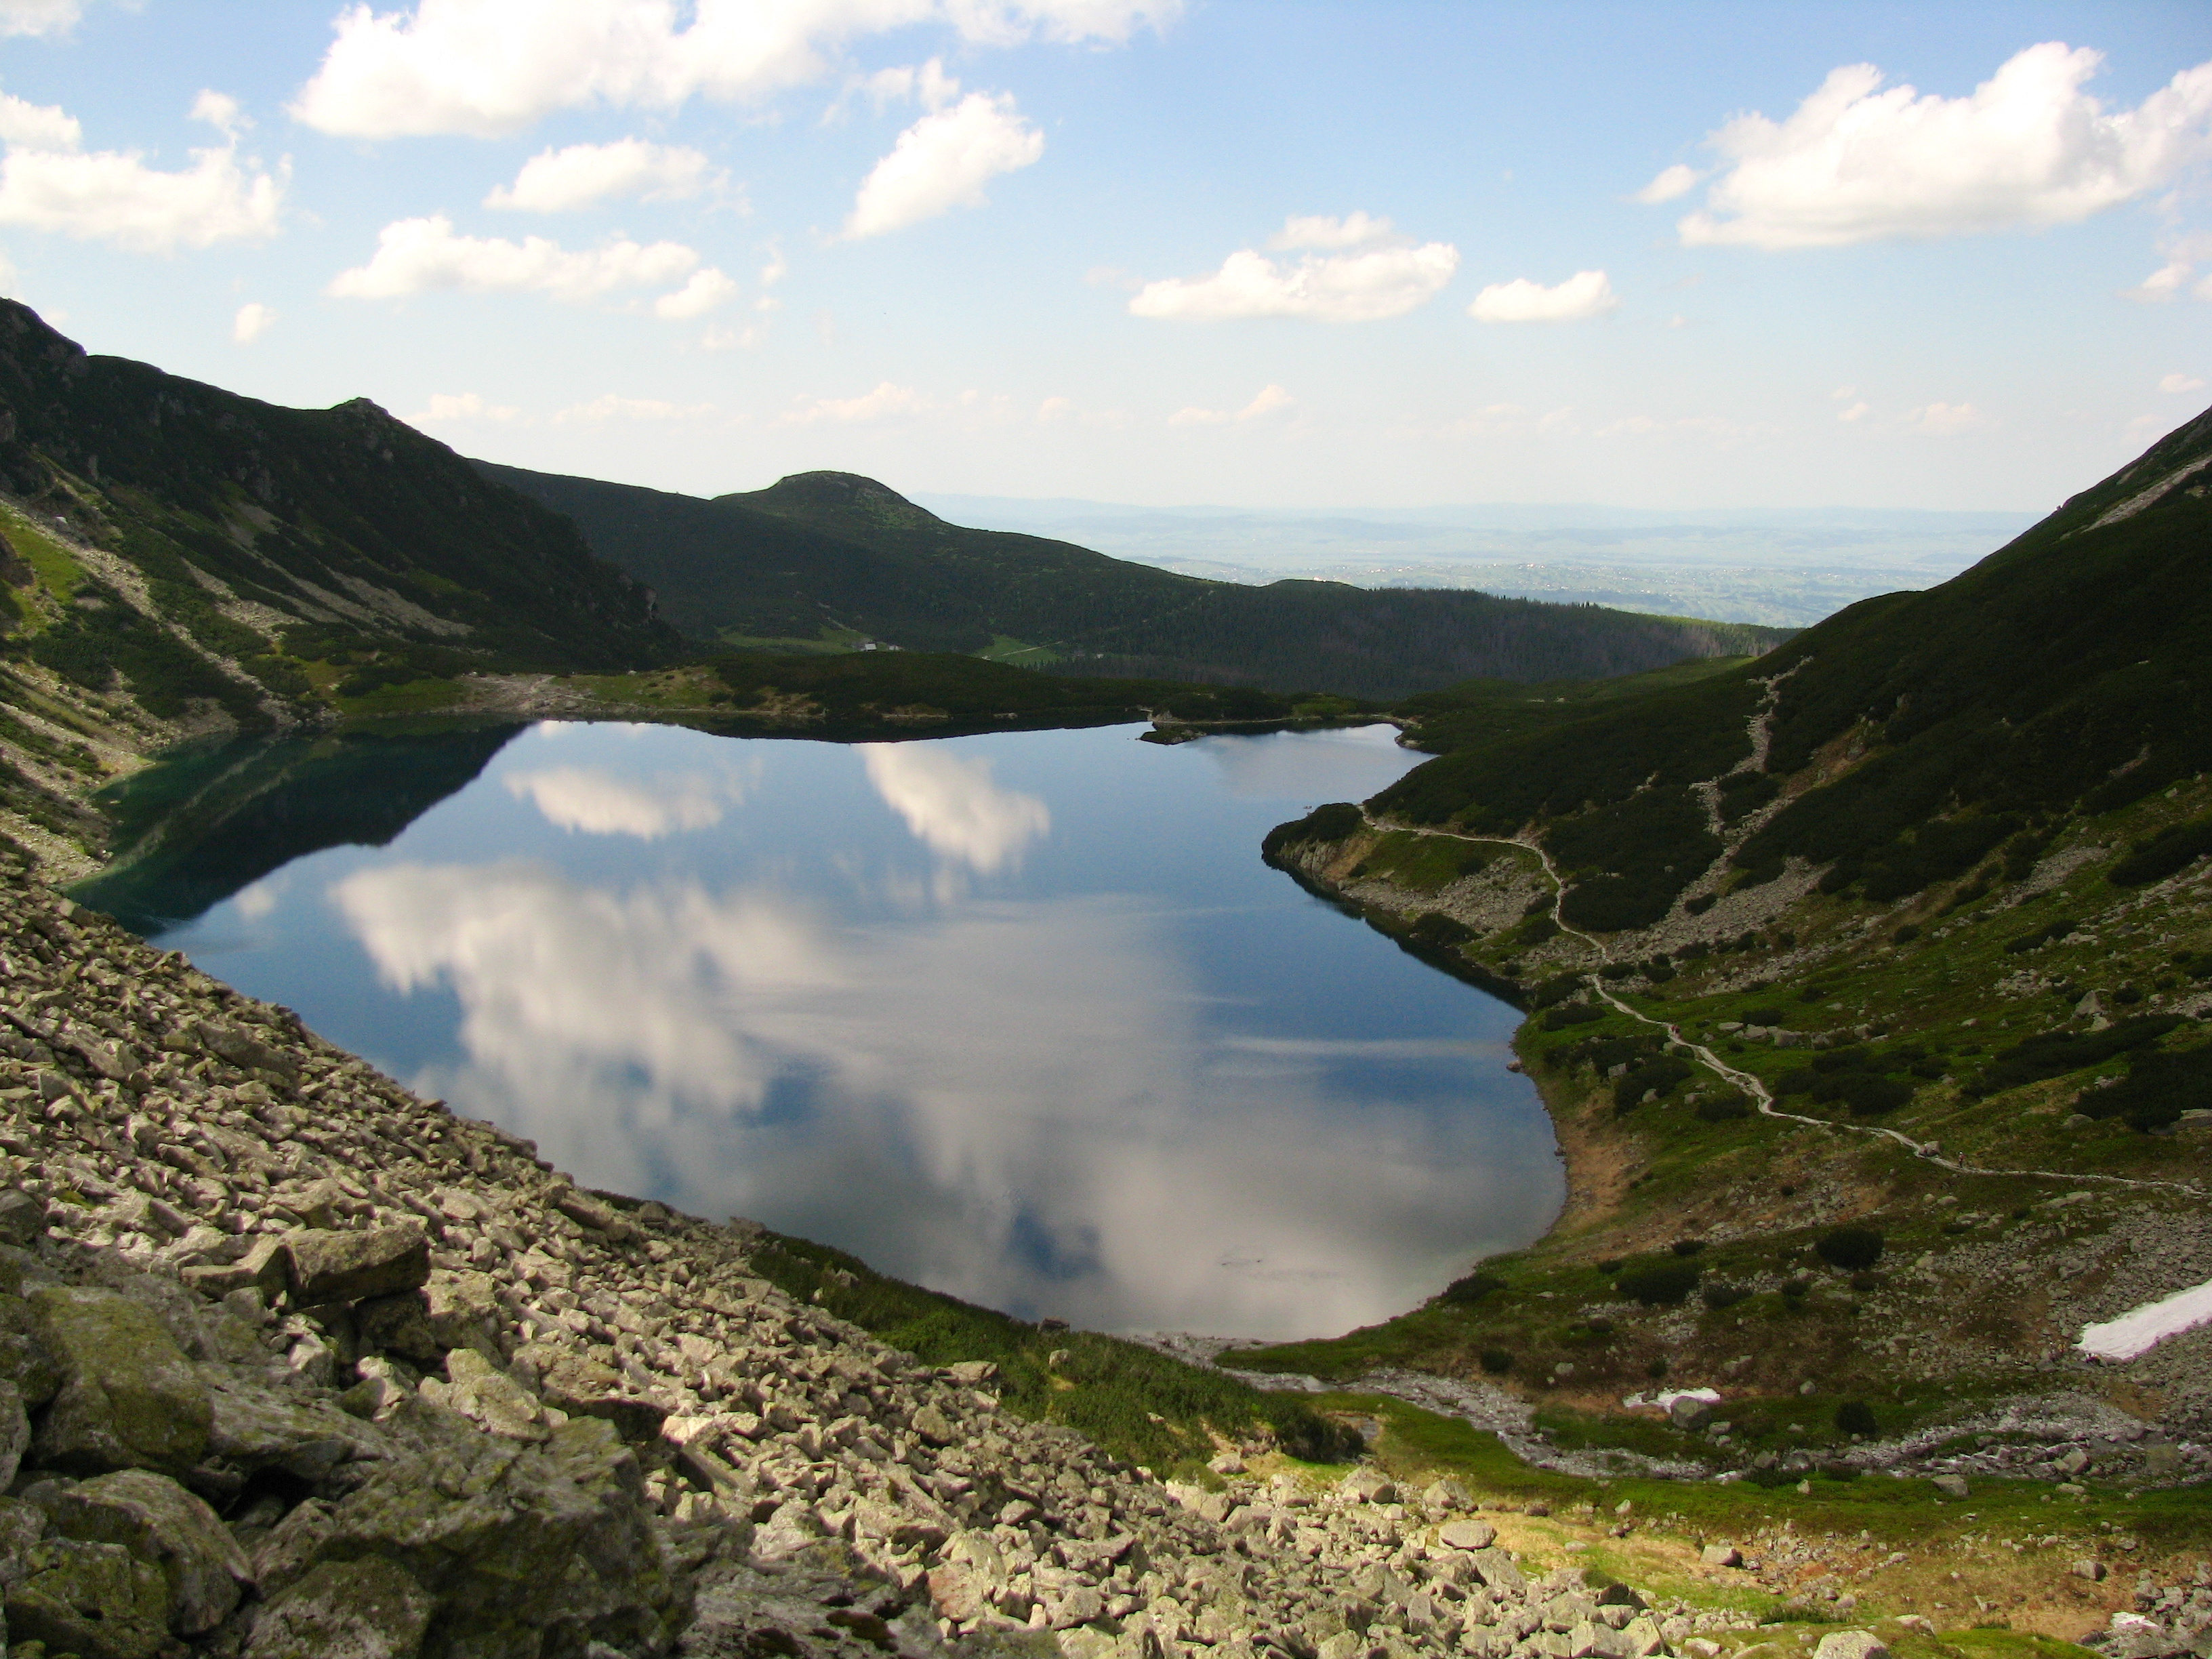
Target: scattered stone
[
  {"x": 367, "y": 1608},
  {"x": 158, "y": 1522}
]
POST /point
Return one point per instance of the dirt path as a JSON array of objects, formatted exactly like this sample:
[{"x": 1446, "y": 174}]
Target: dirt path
[{"x": 1929, "y": 1150}]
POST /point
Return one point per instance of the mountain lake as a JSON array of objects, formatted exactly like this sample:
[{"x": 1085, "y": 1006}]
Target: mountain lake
[{"x": 1020, "y": 1016}]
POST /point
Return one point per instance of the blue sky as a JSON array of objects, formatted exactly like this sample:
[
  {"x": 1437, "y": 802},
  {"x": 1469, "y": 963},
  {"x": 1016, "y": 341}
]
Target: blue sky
[{"x": 1296, "y": 255}]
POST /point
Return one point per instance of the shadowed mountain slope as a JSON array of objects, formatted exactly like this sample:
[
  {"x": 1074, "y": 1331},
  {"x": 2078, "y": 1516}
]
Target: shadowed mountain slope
[{"x": 829, "y": 550}]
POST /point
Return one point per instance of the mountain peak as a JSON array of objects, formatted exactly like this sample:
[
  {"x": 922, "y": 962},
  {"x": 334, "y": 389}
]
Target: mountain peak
[{"x": 845, "y": 496}]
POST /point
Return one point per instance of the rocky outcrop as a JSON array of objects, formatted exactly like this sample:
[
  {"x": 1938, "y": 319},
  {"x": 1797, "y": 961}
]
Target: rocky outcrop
[{"x": 297, "y": 1364}]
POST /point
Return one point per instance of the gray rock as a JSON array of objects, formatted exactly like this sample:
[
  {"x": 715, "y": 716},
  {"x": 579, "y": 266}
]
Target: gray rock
[
  {"x": 95, "y": 1599},
  {"x": 369, "y": 1608},
  {"x": 129, "y": 1398},
  {"x": 1467, "y": 1535},
  {"x": 348, "y": 1266},
  {"x": 1951, "y": 1485},
  {"x": 262, "y": 1268},
  {"x": 464, "y": 1311},
  {"x": 398, "y": 1325},
  {"x": 1369, "y": 1485},
  {"x": 160, "y": 1523},
  {"x": 535, "y": 1549},
  {"x": 1688, "y": 1414},
  {"x": 1851, "y": 1644},
  {"x": 934, "y": 1427},
  {"x": 485, "y": 1395},
  {"x": 1721, "y": 1555},
  {"x": 14, "y": 1431},
  {"x": 22, "y": 1218}
]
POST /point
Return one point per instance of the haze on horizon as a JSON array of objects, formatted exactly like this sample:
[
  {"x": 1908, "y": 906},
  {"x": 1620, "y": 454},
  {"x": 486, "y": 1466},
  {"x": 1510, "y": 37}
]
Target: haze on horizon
[{"x": 1374, "y": 256}]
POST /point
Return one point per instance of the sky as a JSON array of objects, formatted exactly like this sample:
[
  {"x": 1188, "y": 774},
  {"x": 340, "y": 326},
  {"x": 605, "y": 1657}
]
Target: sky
[{"x": 1387, "y": 253}]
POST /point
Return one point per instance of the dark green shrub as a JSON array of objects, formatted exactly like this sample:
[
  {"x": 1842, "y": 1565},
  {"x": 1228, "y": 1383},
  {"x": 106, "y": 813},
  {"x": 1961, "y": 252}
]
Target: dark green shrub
[
  {"x": 1573, "y": 1013},
  {"x": 1664, "y": 1282},
  {"x": 2049, "y": 933},
  {"x": 1688, "y": 1246},
  {"x": 1869, "y": 1096},
  {"x": 1497, "y": 1361},
  {"x": 1719, "y": 1294},
  {"x": 1766, "y": 1014},
  {"x": 1853, "y": 1247},
  {"x": 1466, "y": 1291},
  {"x": 1700, "y": 904},
  {"x": 2164, "y": 853},
  {"x": 2157, "y": 1090},
  {"x": 1334, "y": 821},
  {"x": 1726, "y": 1108},
  {"x": 1440, "y": 931},
  {"x": 2054, "y": 1053},
  {"x": 1856, "y": 1416},
  {"x": 1904, "y": 935}
]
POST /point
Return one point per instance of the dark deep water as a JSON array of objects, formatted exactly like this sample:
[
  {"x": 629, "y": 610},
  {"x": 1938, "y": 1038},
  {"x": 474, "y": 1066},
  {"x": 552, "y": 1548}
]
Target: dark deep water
[{"x": 1021, "y": 1017}]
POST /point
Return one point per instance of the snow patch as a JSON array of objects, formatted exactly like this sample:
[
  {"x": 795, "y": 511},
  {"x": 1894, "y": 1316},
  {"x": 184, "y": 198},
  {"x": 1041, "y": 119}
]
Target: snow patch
[{"x": 2142, "y": 1328}]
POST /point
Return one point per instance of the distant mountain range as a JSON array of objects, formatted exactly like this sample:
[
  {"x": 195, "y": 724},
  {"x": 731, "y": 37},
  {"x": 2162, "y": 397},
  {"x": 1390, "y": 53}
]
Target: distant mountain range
[{"x": 822, "y": 556}]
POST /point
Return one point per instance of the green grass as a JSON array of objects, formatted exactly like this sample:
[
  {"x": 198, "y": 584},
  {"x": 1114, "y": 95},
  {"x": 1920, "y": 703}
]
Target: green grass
[
  {"x": 421, "y": 696},
  {"x": 1136, "y": 1404},
  {"x": 52, "y": 563}
]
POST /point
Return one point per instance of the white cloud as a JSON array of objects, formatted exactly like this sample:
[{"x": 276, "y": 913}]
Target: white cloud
[
  {"x": 1856, "y": 413},
  {"x": 2180, "y": 383},
  {"x": 112, "y": 196},
  {"x": 1342, "y": 287},
  {"x": 929, "y": 85},
  {"x": 943, "y": 161},
  {"x": 415, "y": 255},
  {"x": 38, "y": 16},
  {"x": 1270, "y": 400},
  {"x": 2173, "y": 279},
  {"x": 731, "y": 339},
  {"x": 488, "y": 67},
  {"x": 37, "y": 126},
  {"x": 584, "y": 175},
  {"x": 1646, "y": 426},
  {"x": 462, "y": 406},
  {"x": 886, "y": 402},
  {"x": 2028, "y": 148},
  {"x": 1677, "y": 180},
  {"x": 253, "y": 321},
  {"x": 220, "y": 111},
  {"x": 608, "y": 407},
  {"x": 1943, "y": 420},
  {"x": 1318, "y": 230},
  {"x": 1586, "y": 294},
  {"x": 707, "y": 288}
]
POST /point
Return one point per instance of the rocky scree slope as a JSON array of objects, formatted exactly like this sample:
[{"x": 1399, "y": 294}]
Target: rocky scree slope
[
  {"x": 1868, "y": 987},
  {"x": 292, "y": 1363}
]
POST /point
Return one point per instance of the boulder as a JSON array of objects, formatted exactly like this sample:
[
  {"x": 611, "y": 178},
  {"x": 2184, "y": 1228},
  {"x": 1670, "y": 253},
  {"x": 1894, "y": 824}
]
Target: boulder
[
  {"x": 1448, "y": 1494},
  {"x": 1721, "y": 1555},
  {"x": 129, "y": 1398},
  {"x": 1689, "y": 1413},
  {"x": 25, "y": 1360},
  {"x": 464, "y": 1311},
  {"x": 397, "y": 1325},
  {"x": 1467, "y": 1535},
  {"x": 1369, "y": 1485},
  {"x": 14, "y": 1431},
  {"x": 369, "y": 1608},
  {"x": 1851, "y": 1644},
  {"x": 95, "y": 1599},
  {"x": 348, "y": 1266},
  {"x": 160, "y": 1523},
  {"x": 934, "y": 1427},
  {"x": 22, "y": 1218},
  {"x": 1951, "y": 1485},
  {"x": 261, "y": 1268},
  {"x": 525, "y": 1549},
  {"x": 487, "y": 1396},
  {"x": 1497, "y": 1568}
]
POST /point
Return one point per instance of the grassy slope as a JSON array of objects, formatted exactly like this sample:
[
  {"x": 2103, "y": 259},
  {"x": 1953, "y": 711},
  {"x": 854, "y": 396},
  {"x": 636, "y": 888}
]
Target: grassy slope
[{"x": 2098, "y": 749}]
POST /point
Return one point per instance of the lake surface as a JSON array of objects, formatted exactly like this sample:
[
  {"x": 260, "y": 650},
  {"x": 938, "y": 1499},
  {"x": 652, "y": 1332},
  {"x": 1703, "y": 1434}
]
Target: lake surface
[{"x": 1021, "y": 1017}]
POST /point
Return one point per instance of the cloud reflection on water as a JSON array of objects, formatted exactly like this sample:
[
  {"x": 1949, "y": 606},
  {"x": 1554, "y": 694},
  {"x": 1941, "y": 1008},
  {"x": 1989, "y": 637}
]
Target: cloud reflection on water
[
  {"x": 951, "y": 804},
  {"x": 1027, "y": 1104},
  {"x": 599, "y": 802}
]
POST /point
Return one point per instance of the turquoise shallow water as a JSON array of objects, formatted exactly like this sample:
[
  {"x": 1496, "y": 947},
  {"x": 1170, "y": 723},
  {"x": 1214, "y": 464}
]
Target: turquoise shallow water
[{"x": 1021, "y": 1017}]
